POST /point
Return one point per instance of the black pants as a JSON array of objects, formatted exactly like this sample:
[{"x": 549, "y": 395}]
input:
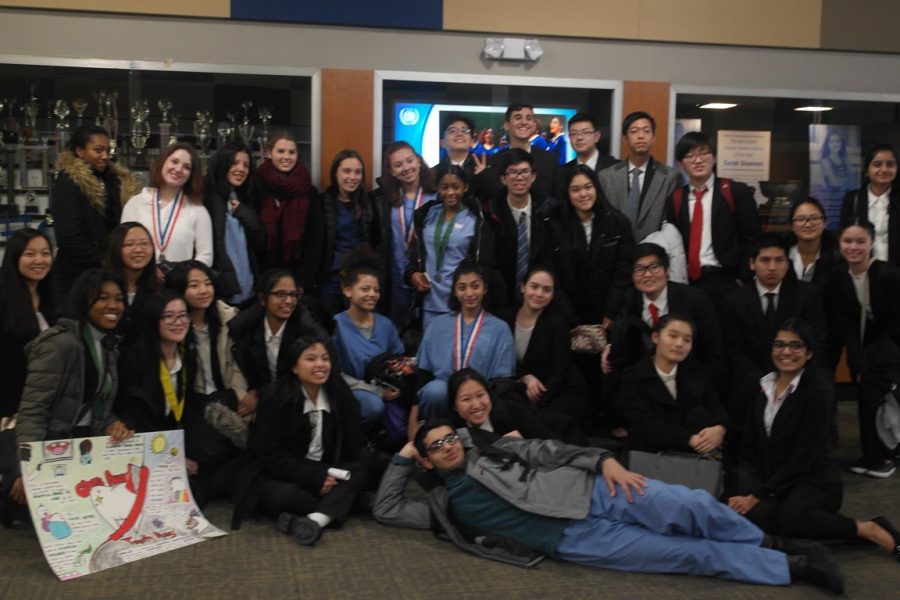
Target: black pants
[
  {"x": 214, "y": 483},
  {"x": 869, "y": 398},
  {"x": 277, "y": 496},
  {"x": 717, "y": 283}
]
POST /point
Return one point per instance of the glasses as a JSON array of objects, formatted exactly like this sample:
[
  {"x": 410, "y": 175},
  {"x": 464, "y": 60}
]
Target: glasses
[
  {"x": 282, "y": 295},
  {"x": 130, "y": 245},
  {"x": 780, "y": 345},
  {"x": 455, "y": 130},
  {"x": 814, "y": 219},
  {"x": 696, "y": 156},
  {"x": 436, "y": 445},
  {"x": 653, "y": 268},
  {"x": 517, "y": 173},
  {"x": 582, "y": 133},
  {"x": 173, "y": 318}
]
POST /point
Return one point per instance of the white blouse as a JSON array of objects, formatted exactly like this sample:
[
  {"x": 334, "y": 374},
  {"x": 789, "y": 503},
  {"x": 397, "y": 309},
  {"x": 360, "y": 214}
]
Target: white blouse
[{"x": 191, "y": 236}]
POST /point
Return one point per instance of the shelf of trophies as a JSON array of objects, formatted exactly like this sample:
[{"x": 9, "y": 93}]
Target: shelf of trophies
[{"x": 24, "y": 191}]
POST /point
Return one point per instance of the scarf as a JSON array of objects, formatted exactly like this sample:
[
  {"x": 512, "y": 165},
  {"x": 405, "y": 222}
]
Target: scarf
[{"x": 284, "y": 206}]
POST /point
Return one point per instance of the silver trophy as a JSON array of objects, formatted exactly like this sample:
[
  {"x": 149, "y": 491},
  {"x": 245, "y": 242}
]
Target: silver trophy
[
  {"x": 80, "y": 105},
  {"x": 245, "y": 128},
  {"x": 202, "y": 130},
  {"x": 3, "y": 103},
  {"x": 165, "y": 126},
  {"x": 108, "y": 117},
  {"x": 265, "y": 117},
  {"x": 31, "y": 109},
  {"x": 61, "y": 111},
  {"x": 140, "y": 129},
  {"x": 12, "y": 126}
]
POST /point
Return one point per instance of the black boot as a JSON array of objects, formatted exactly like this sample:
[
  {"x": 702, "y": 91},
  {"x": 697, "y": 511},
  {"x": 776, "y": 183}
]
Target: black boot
[
  {"x": 817, "y": 568},
  {"x": 792, "y": 547}
]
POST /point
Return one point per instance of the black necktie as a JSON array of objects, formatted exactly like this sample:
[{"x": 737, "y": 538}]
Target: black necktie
[{"x": 770, "y": 310}]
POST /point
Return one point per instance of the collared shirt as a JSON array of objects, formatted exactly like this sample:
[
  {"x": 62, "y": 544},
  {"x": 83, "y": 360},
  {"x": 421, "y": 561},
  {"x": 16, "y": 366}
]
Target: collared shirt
[
  {"x": 591, "y": 161},
  {"x": 668, "y": 379},
  {"x": 661, "y": 303},
  {"x": 773, "y": 403},
  {"x": 707, "y": 254},
  {"x": 878, "y": 215},
  {"x": 519, "y": 211},
  {"x": 803, "y": 272},
  {"x": 204, "y": 382},
  {"x": 313, "y": 411},
  {"x": 642, "y": 170},
  {"x": 761, "y": 291},
  {"x": 273, "y": 345}
]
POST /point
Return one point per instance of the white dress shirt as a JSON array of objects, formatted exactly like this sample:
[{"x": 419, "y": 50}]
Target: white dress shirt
[
  {"x": 273, "y": 345},
  {"x": 668, "y": 379},
  {"x": 707, "y": 254},
  {"x": 761, "y": 291},
  {"x": 773, "y": 403},
  {"x": 516, "y": 212},
  {"x": 662, "y": 305},
  {"x": 878, "y": 216},
  {"x": 592, "y": 161},
  {"x": 321, "y": 405}
]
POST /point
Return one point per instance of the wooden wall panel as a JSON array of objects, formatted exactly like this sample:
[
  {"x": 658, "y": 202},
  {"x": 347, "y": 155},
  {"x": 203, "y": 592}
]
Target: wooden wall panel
[
  {"x": 347, "y": 100},
  {"x": 194, "y": 8},
  {"x": 652, "y": 97}
]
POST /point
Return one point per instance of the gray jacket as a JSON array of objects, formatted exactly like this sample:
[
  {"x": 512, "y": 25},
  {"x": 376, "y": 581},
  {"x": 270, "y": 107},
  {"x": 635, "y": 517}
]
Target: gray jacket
[
  {"x": 659, "y": 182},
  {"x": 54, "y": 388}
]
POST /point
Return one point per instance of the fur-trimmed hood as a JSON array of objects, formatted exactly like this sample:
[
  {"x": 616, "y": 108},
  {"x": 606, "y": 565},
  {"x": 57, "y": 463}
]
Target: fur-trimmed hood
[{"x": 83, "y": 176}]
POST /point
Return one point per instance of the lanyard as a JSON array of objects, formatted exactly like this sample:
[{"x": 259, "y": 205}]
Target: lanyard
[
  {"x": 409, "y": 234},
  {"x": 102, "y": 373},
  {"x": 175, "y": 403},
  {"x": 163, "y": 235},
  {"x": 442, "y": 238},
  {"x": 462, "y": 354}
]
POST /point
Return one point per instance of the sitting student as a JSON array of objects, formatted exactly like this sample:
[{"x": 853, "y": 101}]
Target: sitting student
[
  {"x": 466, "y": 337},
  {"x": 667, "y": 398},
  {"x": 653, "y": 297},
  {"x": 786, "y": 482},
  {"x": 542, "y": 340},
  {"x": 546, "y": 496},
  {"x": 263, "y": 333},
  {"x": 307, "y": 444},
  {"x": 360, "y": 335},
  {"x": 475, "y": 407}
]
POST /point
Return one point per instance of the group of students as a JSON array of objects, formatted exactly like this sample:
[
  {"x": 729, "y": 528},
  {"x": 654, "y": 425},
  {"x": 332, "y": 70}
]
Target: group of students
[{"x": 276, "y": 325}]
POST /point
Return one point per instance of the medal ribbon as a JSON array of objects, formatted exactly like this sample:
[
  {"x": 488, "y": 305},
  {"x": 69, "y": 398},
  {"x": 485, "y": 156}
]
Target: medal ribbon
[
  {"x": 462, "y": 355},
  {"x": 408, "y": 235},
  {"x": 163, "y": 236},
  {"x": 175, "y": 403}
]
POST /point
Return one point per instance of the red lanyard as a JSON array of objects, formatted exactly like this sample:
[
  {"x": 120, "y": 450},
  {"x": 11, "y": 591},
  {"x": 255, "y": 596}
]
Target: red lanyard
[
  {"x": 163, "y": 235},
  {"x": 401, "y": 219},
  {"x": 462, "y": 356}
]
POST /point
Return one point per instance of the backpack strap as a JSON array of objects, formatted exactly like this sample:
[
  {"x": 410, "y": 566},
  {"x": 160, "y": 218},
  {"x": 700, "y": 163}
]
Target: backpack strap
[
  {"x": 725, "y": 188},
  {"x": 677, "y": 199}
]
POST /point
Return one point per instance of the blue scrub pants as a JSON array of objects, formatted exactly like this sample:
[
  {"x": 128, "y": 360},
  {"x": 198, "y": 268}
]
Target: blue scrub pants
[
  {"x": 371, "y": 407},
  {"x": 433, "y": 400}
]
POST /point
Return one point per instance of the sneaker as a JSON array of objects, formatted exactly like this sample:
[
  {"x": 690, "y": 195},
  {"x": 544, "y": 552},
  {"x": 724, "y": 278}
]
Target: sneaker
[
  {"x": 304, "y": 530},
  {"x": 882, "y": 471},
  {"x": 859, "y": 466}
]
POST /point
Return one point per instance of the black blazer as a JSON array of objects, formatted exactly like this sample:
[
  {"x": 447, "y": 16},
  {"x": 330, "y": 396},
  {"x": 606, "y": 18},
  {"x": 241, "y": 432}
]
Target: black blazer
[
  {"x": 829, "y": 258},
  {"x": 733, "y": 232},
  {"x": 280, "y": 438},
  {"x": 254, "y": 231},
  {"x": 796, "y": 452},
  {"x": 856, "y": 206},
  {"x": 656, "y": 420},
  {"x": 604, "y": 161},
  {"x": 630, "y": 336}
]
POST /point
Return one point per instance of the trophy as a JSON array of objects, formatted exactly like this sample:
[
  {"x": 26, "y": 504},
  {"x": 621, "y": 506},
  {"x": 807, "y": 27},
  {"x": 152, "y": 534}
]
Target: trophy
[
  {"x": 12, "y": 127},
  {"x": 3, "y": 102},
  {"x": 79, "y": 104},
  {"x": 108, "y": 117},
  {"x": 140, "y": 129},
  {"x": 245, "y": 128},
  {"x": 265, "y": 116},
  {"x": 227, "y": 128},
  {"x": 61, "y": 111},
  {"x": 165, "y": 126},
  {"x": 30, "y": 109},
  {"x": 202, "y": 129}
]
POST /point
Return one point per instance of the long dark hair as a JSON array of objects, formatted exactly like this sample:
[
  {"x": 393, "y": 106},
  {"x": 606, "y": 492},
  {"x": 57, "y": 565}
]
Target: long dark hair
[
  {"x": 16, "y": 312},
  {"x": 147, "y": 279},
  {"x": 466, "y": 267},
  {"x": 870, "y": 156},
  {"x": 361, "y": 208},
  {"x": 217, "y": 176},
  {"x": 148, "y": 336},
  {"x": 393, "y": 189},
  {"x": 177, "y": 281},
  {"x": 802, "y": 330},
  {"x": 460, "y": 377},
  {"x": 568, "y": 211}
]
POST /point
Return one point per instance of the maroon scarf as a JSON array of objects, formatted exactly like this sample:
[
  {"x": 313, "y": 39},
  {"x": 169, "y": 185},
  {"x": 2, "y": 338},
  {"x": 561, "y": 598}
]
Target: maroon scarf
[{"x": 285, "y": 220}]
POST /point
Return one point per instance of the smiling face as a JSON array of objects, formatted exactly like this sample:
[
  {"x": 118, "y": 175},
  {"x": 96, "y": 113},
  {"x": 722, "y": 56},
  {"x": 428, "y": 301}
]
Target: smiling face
[
  {"x": 808, "y": 222},
  {"x": 349, "y": 176},
  {"x": 451, "y": 190},
  {"x": 649, "y": 275},
  {"x": 640, "y": 137},
  {"x": 313, "y": 366},
  {"x": 521, "y": 125},
  {"x": 36, "y": 259},
  {"x": 882, "y": 169},
  {"x": 284, "y": 155},
  {"x": 95, "y": 152},
  {"x": 174, "y": 321},
  {"x": 449, "y": 456},
  {"x": 239, "y": 169},
  {"x": 472, "y": 403},
  {"x": 789, "y": 353},
  {"x": 177, "y": 169},
  {"x": 537, "y": 290},
  {"x": 470, "y": 290},
  {"x": 405, "y": 166},
  {"x": 582, "y": 194},
  {"x": 698, "y": 164},
  {"x": 856, "y": 245},
  {"x": 770, "y": 266},
  {"x": 518, "y": 178},
  {"x": 199, "y": 292},
  {"x": 458, "y": 137},
  {"x": 137, "y": 249},
  {"x": 364, "y": 293},
  {"x": 279, "y": 302},
  {"x": 674, "y": 341},
  {"x": 107, "y": 310}
]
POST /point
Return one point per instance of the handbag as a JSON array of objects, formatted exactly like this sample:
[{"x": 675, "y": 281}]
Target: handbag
[
  {"x": 588, "y": 339},
  {"x": 689, "y": 470}
]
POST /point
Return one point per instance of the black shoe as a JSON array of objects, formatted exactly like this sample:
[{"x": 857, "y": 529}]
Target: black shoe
[
  {"x": 882, "y": 471},
  {"x": 859, "y": 466},
  {"x": 303, "y": 529},
  {"x": 793, "y": 547},
  {"x": 817, "y": 568},
  {"x": 889, "y": 527}
]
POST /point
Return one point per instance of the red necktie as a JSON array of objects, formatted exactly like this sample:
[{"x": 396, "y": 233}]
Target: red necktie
[
  {"x": 696, "y": 236},
  {"x": 654, "y": 314}
]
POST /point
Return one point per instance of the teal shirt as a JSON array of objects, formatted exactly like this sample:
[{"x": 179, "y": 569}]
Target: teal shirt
[{"x": 482, "y": 512}]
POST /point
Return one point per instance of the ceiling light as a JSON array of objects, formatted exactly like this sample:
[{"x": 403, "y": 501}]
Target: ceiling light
[
  {"x": 718, "y": 105},
  {"x": 814, "y": 108}
]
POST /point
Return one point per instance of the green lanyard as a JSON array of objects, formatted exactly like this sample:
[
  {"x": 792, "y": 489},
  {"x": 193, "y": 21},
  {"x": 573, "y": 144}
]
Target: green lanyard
[
  {"x": 442, "y": 238},
  {"x": 102, "y": 373}
]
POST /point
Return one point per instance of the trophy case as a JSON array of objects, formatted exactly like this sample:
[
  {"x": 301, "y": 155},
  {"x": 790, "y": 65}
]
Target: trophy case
[{"x": 145, "y": 107}]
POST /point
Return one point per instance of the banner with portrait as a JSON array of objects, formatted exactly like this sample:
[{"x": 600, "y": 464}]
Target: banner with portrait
[{"x": 835, "y": 160}]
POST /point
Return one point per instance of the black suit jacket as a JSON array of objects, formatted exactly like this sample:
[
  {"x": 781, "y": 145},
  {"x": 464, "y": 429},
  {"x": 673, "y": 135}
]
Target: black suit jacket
[
  {"x": 796, "y": 451},
  {"x": 656, "y": 420},
  {"x": 856, "y": 206},
  {"x": 733, "y": 232},
  {"x": 604, "y": 161}
]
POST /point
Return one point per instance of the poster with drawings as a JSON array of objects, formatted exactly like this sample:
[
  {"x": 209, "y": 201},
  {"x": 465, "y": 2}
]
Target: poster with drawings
[{"x": 97, "y": 505}]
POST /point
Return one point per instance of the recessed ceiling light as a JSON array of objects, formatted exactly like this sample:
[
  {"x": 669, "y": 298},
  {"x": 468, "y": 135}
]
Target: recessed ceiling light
[
  {"x": 813, "y": 108},
  {"x": 718, "y": 105}
]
